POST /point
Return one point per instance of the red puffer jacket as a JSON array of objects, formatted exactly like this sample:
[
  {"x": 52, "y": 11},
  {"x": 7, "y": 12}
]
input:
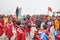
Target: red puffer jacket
[
  {"x": 20, "y": 34},
  {"x": 47, "y": 32},
  {"x": 1, "y": 29},
  {"x": 2, "y": 21},
  {"x": 8, "y": 30},
  {"x": 36, "y": 35},
  {"x": 58, "y": 36},
  {"x": 26, "y": 25}
]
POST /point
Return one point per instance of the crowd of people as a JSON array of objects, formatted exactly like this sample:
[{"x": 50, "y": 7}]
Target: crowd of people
[{"x": 46, "y": 27}]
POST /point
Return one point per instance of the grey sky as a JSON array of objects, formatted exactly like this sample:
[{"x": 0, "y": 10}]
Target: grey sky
[{"x": 28, "y": 6}]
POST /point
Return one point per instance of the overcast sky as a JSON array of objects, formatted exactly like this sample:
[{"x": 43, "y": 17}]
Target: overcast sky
[{"x": 28, "y": 6}]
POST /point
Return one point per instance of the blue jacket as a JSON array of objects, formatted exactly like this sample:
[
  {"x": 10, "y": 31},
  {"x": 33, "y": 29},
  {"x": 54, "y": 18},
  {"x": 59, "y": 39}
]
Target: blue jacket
[
  {"x": 55, "y": 33},
  {"x": 43, "y": 36}
]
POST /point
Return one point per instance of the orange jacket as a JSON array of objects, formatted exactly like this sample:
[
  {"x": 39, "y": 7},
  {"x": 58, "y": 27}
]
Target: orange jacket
[{"x": 56, "y": 24}]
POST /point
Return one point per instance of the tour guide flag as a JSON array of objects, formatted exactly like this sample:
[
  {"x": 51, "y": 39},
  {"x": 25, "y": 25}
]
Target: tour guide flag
[{"x": 49, "y": 9}]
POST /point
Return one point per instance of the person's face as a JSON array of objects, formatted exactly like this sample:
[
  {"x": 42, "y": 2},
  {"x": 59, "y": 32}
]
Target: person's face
[{"x": 48, "y": 18}]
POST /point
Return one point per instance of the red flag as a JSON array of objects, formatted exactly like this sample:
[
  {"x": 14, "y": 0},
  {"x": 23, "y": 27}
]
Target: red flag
[{"x": 49, "y": 9}]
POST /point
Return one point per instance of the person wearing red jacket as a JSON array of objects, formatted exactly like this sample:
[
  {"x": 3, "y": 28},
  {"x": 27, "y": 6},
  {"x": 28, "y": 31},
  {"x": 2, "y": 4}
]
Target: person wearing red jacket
[
  {"x": 1, "y": 20},
  {"x": 1, "y": 29},
  {"x": 1, "y": 25},
  {"x": 20, "y": 32},
  {"x": 14, "y": 22},
  {"x": 44, "y": 30},
  {"x": 36, "y": 34},
  {"x": 58, "y": 36},
  {"x": 8, "y": 30},
  {"x": 27, "y": 27},
  {"x": 47, "y": 32},
  {"x": 38, "y": 27}
]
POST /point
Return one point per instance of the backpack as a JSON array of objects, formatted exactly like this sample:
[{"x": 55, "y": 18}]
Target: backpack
[{"x": 43, "y": 36}]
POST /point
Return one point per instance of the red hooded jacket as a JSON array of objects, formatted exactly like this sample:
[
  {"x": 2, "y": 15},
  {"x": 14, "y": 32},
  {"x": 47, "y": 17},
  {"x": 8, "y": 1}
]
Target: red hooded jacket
[
  {"x": 2, "y": 21},
  {"x": 1, "y": 29},
  {"x": 36, "y": 35},
  {"x": 26, "y": 25},
  {"x": 21, "y": 34},
  {"x": 58, "y": 36},
  {"x": 47, "y": 32},
  {"x": 8, "y": 30}
]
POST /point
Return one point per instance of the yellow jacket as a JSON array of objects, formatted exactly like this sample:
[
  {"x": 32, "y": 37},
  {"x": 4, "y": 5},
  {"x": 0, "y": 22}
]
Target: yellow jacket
[
  {"x": 56, "y": 22},
  {"x": 5, "y": 20}
]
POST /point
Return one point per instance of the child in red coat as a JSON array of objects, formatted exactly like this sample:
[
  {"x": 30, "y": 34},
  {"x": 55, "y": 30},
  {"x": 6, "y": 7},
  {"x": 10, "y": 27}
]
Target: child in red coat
[
  {"x": 1, "y": 29},
  {"x": 44, "y": 30},
  {"x": 8, "y": 30},
  {"x": 58, "y": 36},
  {"x": 47, "y": 32},
  {"x": 20, "y": 32},
  {"x": 27, "y": 26},
  {"x": 36, "y": 34}
]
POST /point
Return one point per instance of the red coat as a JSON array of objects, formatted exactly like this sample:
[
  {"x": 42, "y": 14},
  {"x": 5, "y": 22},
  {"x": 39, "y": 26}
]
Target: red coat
[
  {"x": 14, "y": 23},
  {"x": 26, "y": 25},
  {"x": 2, "y": 21},
  {"x": 47, "y": 32},
  {"x": 21, "y": 34},
  {"x": 36, "y": 35},
  {"x": 58, "y": 36},
  {"x": 1, "y": 29},
  {"x": 8, "y": 30}
]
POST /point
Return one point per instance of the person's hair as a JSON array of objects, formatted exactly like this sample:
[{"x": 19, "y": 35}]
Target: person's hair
[
  {"x": 38, "y": 22},
  {"x": 18, "y": 22},
  {"x": 28, "y": 18},
  {"x": 37, "y": 26},
  {"x": 45, "y": 26}
]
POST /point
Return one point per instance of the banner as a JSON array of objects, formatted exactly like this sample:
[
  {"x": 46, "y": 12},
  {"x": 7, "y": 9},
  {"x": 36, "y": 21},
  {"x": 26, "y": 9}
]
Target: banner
[{"x": 49, "y": 9}]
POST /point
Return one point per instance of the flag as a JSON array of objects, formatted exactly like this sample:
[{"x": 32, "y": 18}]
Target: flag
[{"x": 49, "y": 9}]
